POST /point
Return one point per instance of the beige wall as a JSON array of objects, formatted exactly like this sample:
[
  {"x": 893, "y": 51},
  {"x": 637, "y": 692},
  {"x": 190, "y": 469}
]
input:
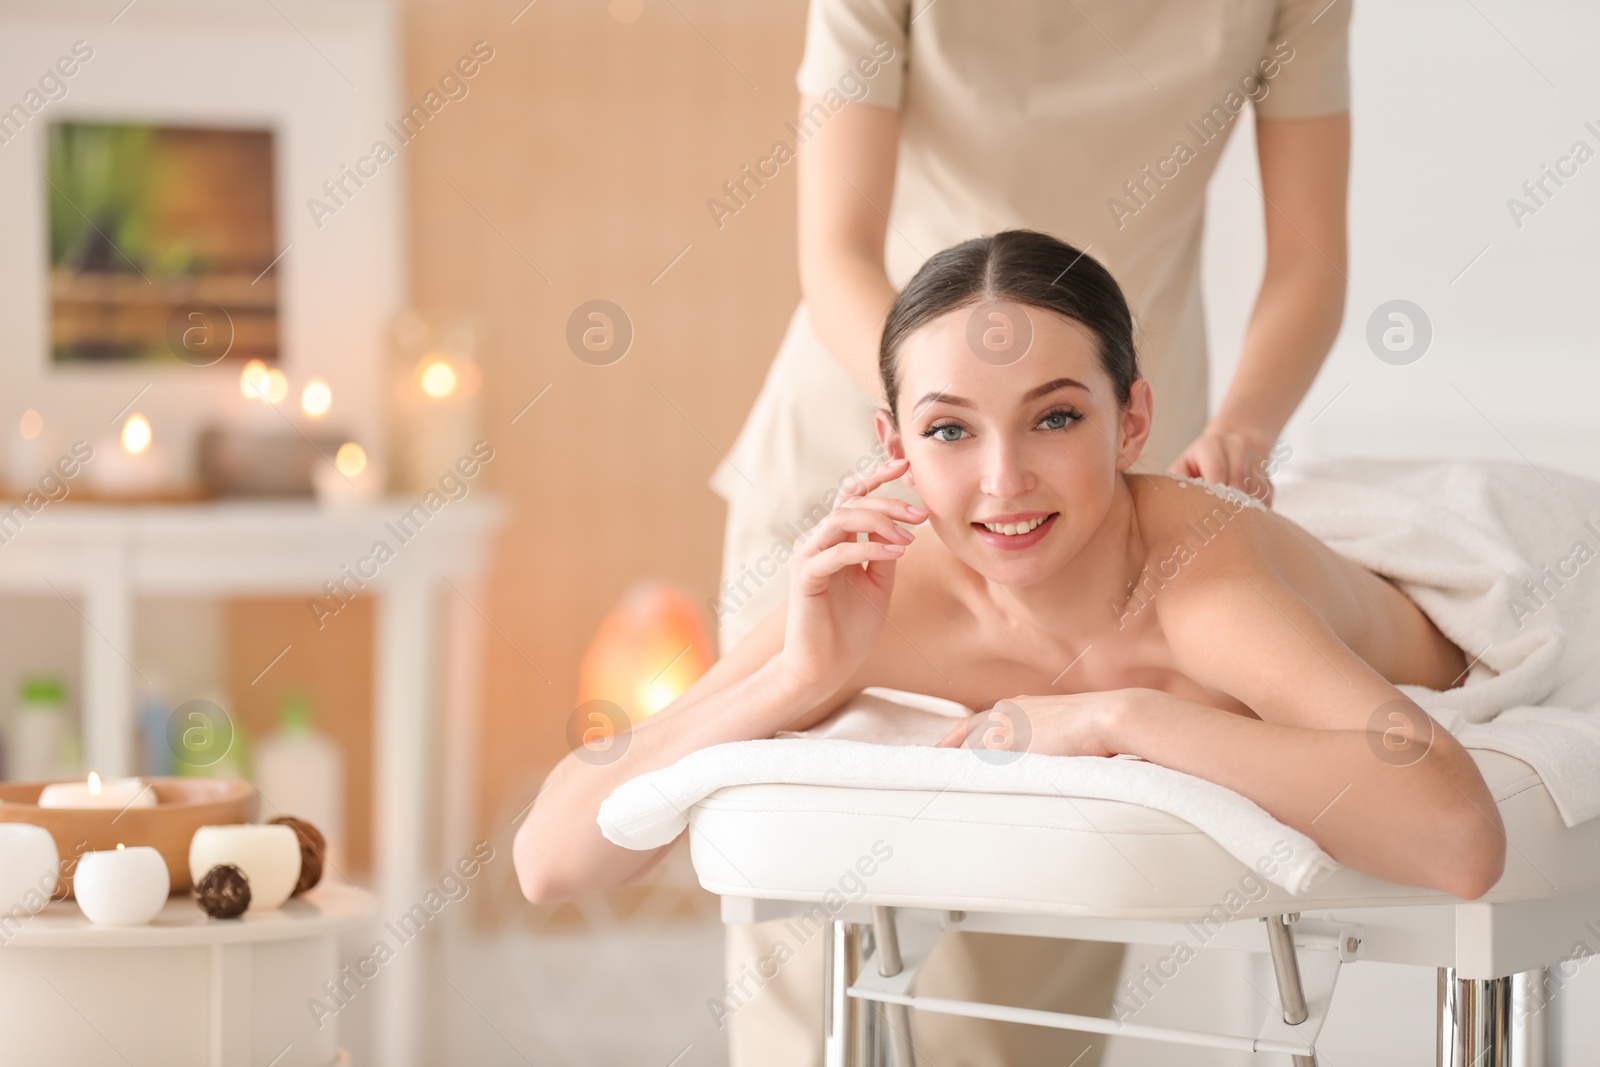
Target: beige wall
[
  {"x": 588, "y": 148},
  {"x": 334, "y": 665}
]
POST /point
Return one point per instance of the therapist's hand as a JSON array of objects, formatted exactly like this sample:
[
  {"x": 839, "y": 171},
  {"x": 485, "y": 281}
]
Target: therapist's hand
[{"x": 1234, "y": 457}]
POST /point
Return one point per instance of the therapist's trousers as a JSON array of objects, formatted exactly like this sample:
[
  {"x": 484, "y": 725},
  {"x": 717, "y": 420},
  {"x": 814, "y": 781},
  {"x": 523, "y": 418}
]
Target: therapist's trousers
[{"x": 811, "y": 427}]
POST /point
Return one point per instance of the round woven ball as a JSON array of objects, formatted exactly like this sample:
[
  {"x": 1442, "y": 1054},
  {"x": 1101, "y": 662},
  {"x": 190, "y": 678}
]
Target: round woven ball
[
  {"x": 224, "y": 892},
  {"x": 312, "y": 848}
]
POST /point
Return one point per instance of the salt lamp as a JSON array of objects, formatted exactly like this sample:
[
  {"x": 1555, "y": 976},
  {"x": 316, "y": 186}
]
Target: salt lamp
[{"x": 646, "y": 652}]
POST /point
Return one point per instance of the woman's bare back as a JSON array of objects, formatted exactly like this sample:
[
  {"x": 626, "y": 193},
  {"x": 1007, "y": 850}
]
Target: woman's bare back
[{"x": 946, "y": 636}]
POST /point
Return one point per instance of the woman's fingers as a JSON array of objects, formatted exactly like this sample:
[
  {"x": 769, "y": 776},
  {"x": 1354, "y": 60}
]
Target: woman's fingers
[
  {"x": 843, "y": 524},
  {"x": 957, "y": 735},
  {"x": 824, "y": 565},
  {"x": 884, "y": 473},
  {"x": 893, "y": 507}
]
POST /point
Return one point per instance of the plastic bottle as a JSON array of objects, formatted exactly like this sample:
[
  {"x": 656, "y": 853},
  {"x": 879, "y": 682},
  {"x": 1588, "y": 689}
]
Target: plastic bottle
[
  {"x": 216, "y": 728},
  {"x": 38, "y": 748},
  {"x": 300, "y": 772},
  {"x": 155, "y": 747}
]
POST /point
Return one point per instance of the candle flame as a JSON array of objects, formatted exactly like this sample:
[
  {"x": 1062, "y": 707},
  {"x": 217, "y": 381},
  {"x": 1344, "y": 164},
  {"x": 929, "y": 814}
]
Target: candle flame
[
  {"x": 94, "y": 783},
  {"x": 119, "y": 846},
  {"x": 351, "y": 459},
  {"x": 253, "y": 380}
]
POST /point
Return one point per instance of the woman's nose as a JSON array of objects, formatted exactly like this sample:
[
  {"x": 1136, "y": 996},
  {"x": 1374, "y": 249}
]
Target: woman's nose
[{"x": 1005, "y": 474}]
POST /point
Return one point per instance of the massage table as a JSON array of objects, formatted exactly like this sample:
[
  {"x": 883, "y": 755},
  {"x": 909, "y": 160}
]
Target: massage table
[
  {"x": 856, "y": 830},
  {"x": 1105, "y": 870}
]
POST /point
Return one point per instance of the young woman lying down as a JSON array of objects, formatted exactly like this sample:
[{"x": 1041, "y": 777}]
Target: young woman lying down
[{"x": 1115, "y": 612}]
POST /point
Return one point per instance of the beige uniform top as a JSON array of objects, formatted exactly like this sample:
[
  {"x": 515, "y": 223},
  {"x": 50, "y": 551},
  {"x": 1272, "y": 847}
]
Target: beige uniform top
[{"x": 1098, "y": 122}]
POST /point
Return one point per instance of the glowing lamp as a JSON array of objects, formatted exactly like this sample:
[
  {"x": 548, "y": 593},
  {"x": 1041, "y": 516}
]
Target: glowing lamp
[
  {"x": 438, "y": 378},
  {"x": 136, "y": 434},
  {"x": 647, "y": 651},
  {"x": 316, "y": 398}
]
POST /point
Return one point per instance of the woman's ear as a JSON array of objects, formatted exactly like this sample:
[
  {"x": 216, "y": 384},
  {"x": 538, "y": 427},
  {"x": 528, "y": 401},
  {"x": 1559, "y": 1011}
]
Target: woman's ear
[
  {"x": 1137, "y": 418},
  {"x": 893, "y": 447}
]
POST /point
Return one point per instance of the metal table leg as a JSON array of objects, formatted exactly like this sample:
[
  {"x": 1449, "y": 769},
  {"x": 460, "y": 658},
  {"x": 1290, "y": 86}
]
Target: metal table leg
[
  {"x": 1474, "y": 1021},
  {"x": 1286, "y": 968},
  {"x": 898, "y": 1016},
  {"x": 842, "y": 1015}
]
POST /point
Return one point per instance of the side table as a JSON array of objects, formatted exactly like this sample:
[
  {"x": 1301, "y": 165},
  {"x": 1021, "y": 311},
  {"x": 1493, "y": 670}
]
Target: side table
[{"x": 186, "y": 990}]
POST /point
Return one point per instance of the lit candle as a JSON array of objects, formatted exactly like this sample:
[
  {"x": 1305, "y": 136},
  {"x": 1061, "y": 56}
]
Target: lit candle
[
  {"x": 125, "y": 887},
  {"x": 118, "y": 793},
  {"x": 260, "y": 382},
  {"x": 440, "y": 407},
  {"x": 29, "y": 865},
  {"x": 135, "y": 464},
  {"x": 269, "y": 856},
  {"x": 316, "y": 398},
  {"x": 351, "y": 480}
]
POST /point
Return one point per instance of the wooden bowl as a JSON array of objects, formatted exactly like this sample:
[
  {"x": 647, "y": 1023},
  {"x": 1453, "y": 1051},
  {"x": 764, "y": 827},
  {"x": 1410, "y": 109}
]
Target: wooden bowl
[{"x": 183, "y": 805}]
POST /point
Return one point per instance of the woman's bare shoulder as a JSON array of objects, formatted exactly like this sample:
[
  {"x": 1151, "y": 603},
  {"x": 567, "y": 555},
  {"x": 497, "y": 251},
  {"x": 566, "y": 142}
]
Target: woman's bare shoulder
[
  {"x": 1183, "y": 521},
  {"x": 1202, "y": 538},
  {"x": 1206, "y": 549}
]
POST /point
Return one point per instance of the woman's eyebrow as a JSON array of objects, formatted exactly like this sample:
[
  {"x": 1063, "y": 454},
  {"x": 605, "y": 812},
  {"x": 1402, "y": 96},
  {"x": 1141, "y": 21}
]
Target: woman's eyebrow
[{"x": 939, "y": 397}]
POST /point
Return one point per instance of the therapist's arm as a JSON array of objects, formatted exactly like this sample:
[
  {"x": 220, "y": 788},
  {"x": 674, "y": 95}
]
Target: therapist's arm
[
  {"x": 845, "y": 182},
  {"x": 1305, "y": 169}
]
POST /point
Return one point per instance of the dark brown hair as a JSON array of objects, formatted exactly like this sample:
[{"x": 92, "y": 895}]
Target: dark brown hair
[{"x": 1024, "y": 267}]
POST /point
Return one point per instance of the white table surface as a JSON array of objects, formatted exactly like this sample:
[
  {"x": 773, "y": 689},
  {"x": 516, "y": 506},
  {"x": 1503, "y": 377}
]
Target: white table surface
[{"x": 327, "y": 909}]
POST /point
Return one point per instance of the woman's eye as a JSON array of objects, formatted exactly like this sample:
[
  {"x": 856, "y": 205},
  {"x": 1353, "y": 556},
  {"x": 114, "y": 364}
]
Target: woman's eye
[
  {"x": 1059, "y": 419},
  {"x": 938, "y": 433}
]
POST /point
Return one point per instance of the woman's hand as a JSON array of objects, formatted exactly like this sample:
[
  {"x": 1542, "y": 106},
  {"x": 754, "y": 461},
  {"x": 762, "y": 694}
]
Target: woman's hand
[
  {"x": 1070, "y": 724},
  {"x": 837, "y": 607},
  {"x": 1233, "y": 457}
]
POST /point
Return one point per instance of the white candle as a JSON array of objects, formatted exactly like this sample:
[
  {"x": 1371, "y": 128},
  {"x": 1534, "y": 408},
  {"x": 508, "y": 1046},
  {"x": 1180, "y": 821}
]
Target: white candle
[
  {"x": 269, "y": 856},
  {"x": 117, "y": 793},
  {"x": 119, "y": 470},
  {"x": 351, "y": 481},
  {"x": 121, "y": 886},
  {"x": 29, "y": 864}
]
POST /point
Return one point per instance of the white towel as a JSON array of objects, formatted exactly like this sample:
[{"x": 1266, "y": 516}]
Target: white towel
[
  {"x": 884, "y": 739},
  {"x": 1472, "y": 543}
]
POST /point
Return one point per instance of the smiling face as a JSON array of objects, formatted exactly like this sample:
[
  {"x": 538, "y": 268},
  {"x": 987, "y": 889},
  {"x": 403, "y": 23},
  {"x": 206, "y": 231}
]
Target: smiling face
[{"x": 1017, "y": 463}]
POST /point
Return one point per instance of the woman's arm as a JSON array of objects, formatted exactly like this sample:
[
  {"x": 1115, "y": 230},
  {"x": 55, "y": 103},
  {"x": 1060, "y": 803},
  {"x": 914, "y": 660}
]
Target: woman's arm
[
  {"x": 789, "y": 672},
  {"x": 559, "y": 851},
  {"x": 1338, "y": 752},
  {"x": 1430, "y": 823},
  {"x": 845, "y": 182},
  {"x": 1305, "y": 169}
]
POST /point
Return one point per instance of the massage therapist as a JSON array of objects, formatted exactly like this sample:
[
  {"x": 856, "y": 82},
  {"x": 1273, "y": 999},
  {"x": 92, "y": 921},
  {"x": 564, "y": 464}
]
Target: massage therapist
[{"x": 927, "y": 122}]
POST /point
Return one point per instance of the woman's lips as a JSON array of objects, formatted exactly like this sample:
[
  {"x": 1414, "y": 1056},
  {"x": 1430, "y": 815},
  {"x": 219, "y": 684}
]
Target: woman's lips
[{"x": 1016, "y": 542}]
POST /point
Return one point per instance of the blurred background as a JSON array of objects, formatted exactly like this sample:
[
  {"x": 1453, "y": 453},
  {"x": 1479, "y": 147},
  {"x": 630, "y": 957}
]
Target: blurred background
[{"x": 283, "y": 282}]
